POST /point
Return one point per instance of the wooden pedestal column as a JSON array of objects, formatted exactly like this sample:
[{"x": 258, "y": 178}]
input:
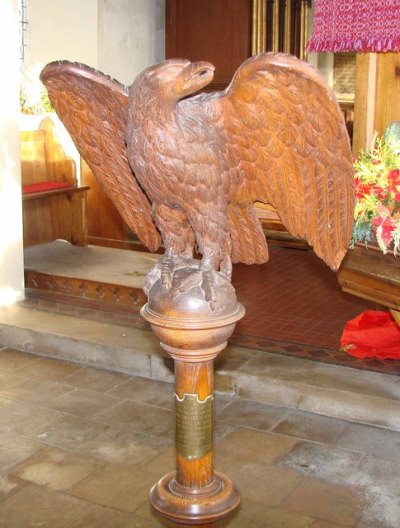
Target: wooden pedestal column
[{"x": 193, "y": 332}]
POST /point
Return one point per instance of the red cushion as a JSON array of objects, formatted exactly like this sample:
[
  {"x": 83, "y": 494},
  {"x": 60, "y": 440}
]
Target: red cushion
[{"x": 44, "y": 186}]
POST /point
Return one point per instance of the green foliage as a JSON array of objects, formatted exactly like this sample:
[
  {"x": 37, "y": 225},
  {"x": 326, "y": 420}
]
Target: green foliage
[
  {"x": 40, "y": 107},
  {"x": 377, "y": 185}
]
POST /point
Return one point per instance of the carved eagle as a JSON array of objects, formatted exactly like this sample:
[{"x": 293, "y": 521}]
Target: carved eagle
[{"x": 191, "y": 167}]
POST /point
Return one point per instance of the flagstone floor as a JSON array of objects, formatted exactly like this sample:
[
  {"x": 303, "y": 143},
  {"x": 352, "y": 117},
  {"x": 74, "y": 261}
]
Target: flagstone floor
[{"x": 80, "y": 447}]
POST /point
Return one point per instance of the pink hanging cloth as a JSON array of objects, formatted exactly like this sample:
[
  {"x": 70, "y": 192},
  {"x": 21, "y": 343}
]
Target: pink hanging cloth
[{"x": 356, "y": 25}]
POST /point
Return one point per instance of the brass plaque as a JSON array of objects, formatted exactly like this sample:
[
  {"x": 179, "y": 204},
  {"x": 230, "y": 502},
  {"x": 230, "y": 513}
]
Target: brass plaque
[{"x": 193, "y": 426}]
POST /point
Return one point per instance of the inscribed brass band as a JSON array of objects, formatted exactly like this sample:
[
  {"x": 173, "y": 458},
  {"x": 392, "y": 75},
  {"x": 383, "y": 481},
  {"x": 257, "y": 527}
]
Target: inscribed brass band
[{"x": 193, "y": 426}]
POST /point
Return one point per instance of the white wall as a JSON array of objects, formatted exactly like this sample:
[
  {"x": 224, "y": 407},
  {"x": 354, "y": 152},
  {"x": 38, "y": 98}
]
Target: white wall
[
  {"x": 119, "y": 37},
  {"x": 60, "y": 29},
  {"x": 11, "y": 255},
  {"x": 130, "y": 36}
]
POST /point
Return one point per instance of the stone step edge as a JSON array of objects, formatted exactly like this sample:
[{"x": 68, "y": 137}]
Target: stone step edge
[{"x": 136, "y": 351}]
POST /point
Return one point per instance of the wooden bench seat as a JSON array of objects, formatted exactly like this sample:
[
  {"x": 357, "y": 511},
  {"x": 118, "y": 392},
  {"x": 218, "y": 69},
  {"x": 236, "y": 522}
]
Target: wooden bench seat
[{"x": 53, "y": 203}]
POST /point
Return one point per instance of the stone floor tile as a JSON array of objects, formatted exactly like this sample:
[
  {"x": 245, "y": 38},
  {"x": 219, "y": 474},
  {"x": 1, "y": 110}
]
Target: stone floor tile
[
  {"x": 221, "y": 430},
  {"x": 124, "y": 488},
  {"x": 222, "y": 400},
  {"x": 8, "y": 378},
  {"x": 248, "y": 445},
  {"x": 9, "y": 485},
  {"x": 321, "y": 461},
  {"x": 157, "y": 522},
  {"x": 14, "y": 449},
  {"x": 147, "y": 517},
  {"x": 325, "y": 524},
  {"x": 49, "y": 369},
  {"x": 323, "y": 500},
  {"x": 378, "y": 442},
  {"x": 15, "y": 359},
  {"x": 71, "y": 432},
  {"x": 84, "y": 403},
  {"x": 95, "y": 516},
  {"x": 121, "y": 445},
  {"x": 57, "y": 469},
  {"x": 227, "y": 364},
  {"x": 140, "y": 417},
  {"x": 246, "y": 413},
  {"x": 162, "y": 463},
  {"x": 36, "y": 391},
  {"x": 35, "y": 506},
  {"x": 233, "y": 357},
  {"x": 311, "y": 427},
  {"x": 381, "y": 512},
  {"x": 255, "y": 515},
  {"x": 378, "y": 475},
  {"x": 95, "y": 379},
  {"x": 24, "y": 418},
  {"x": 267, "y": 486},
  {"x": 145, "y": 390}
]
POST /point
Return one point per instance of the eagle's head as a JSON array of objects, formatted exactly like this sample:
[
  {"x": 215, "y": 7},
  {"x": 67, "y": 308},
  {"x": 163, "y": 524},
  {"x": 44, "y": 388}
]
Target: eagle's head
[{"x": 176, "y": 78}]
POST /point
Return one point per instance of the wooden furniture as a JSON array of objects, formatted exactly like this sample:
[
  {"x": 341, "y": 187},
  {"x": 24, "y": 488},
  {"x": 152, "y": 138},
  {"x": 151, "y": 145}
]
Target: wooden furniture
[
  {"x": 105, "y": 226},
  {"x": 370, "y": 274},
  {"x": 193, "y": 336},
  {"x": 218, "y": 31},
  {"x": 377, "y": 101},
  {"x": 227, "y": 32},
  {"x": 53, "y": 203}
]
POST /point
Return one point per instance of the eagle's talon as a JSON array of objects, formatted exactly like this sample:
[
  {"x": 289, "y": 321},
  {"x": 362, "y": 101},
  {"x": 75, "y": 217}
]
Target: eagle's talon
[
  {"x": 167, "y": 272},
  {"x": 208, "y": 287}
]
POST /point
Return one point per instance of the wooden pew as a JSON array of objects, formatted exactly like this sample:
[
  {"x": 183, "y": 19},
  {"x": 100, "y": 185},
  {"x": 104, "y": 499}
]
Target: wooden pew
[{"x": 53, "y": 203}]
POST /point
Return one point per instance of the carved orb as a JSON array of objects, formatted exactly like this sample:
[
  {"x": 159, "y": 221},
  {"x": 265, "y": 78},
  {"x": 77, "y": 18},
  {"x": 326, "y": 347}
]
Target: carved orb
[{"x": 188, "y": 325}]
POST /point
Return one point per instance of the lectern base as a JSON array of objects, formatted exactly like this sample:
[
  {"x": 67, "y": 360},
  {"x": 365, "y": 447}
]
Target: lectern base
[{"x": 194, "y": 506}]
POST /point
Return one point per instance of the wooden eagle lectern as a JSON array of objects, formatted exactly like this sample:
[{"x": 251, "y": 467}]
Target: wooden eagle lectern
[{"x": 188, "y": 170}]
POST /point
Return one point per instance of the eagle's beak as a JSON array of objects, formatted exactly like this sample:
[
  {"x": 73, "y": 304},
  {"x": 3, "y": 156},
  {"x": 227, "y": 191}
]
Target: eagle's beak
[{"x": 197, "y": 75}]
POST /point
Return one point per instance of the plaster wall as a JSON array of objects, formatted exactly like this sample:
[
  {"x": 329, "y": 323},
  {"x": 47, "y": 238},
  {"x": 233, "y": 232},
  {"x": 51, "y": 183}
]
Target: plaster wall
[
  {"x": 130, "y": 36},
  {"x": 11, "y": 253},
  {"x": 61, "y": 30}
]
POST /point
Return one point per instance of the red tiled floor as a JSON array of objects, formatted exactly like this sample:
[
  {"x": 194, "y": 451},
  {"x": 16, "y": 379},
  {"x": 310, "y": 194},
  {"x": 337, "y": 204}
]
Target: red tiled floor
[
  {"x": 294, "y": 297},
  {"x": 294, "y": 307}
]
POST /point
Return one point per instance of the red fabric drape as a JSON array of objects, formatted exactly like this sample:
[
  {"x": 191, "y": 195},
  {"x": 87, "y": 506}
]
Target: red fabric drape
[
  {"x": 372, "y": 334},
  {"x": 356, "y": 25}
]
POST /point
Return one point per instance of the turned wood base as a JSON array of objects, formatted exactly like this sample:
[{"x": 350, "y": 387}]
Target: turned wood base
[
  {"x": 193, "y": 332},
  {"x": 194, "y": 506}
]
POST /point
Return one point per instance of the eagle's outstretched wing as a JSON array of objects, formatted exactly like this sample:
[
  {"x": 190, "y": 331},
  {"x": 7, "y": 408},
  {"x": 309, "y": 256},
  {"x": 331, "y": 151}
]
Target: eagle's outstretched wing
[
  {"x": 93, "y": 108},
  {"x": 286, "y": 144}
]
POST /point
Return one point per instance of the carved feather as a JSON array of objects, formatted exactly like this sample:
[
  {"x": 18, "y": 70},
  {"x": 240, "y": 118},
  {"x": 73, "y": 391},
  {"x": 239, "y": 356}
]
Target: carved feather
[
  {"x": 287, "y": 146},
  {"x": 93, "y": 108},
  {"x": 275, "y": 135}
]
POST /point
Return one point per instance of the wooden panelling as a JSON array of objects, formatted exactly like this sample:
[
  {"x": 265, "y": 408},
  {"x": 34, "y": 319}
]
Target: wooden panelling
[
  {"x": 218, "y": 31},
  {"x": 103, "y": 220},
  {"x": 377, "y": 98},
  {"x": 55, "y": 214},
  {"x": 370, "y": 274},
  {"x": 387, "y": 107}
]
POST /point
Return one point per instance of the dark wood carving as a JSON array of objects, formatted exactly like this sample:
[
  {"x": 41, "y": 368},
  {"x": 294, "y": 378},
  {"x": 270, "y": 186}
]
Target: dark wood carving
[
  {"x": 191, "y": 169},
  {"x": 197, "y": 164}
]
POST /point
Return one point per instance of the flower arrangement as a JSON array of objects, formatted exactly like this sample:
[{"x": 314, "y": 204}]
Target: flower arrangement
[{"x": 377, "y": 186}]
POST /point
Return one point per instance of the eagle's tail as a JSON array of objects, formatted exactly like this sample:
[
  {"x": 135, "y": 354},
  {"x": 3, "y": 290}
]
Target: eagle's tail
[{"x": 248, "y": 240}]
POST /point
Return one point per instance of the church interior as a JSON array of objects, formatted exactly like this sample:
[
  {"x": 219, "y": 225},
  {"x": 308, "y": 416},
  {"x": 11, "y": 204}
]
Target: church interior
[{"x": 307, "y": 430}]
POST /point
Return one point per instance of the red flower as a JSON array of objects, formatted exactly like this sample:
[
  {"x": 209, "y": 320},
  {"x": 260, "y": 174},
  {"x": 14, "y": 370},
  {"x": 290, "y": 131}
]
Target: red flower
[
  {"x": 386, "y": 226},
  {"x": 362, "y": 189},
  {"x": 394, "y": 176},
  {"x": 379, "y": 191}
]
